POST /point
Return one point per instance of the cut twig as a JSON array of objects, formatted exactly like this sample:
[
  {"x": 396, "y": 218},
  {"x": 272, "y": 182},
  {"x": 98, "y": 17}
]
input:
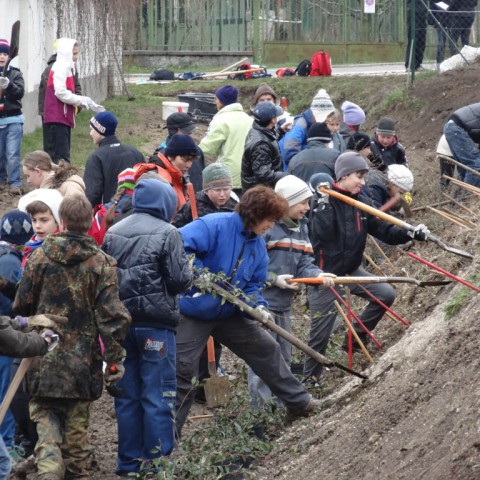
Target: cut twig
[
  {"x": 233, "y": 65},
  {"x": 374, "y": 265},
  {"x": 467, "y": 222},
  {"x": 465, "y": 186},
  {"x": 354, "y": 333},
  {"x": 382, "y": 253},
  {"x": 447, "y": 217},
  {"x": 459, "y": 204},
  {"x": 458, "y": 164},
  {"x": 436, "y": 204},
  {"x": 200, "y": 417}
]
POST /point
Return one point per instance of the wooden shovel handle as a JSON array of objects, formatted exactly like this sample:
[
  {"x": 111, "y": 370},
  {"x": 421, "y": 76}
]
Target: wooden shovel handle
[{"x": 13, "y": 387}]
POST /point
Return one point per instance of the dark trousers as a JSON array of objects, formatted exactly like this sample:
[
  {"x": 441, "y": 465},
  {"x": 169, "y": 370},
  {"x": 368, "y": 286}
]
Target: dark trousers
[
  {"x": 246, "y": 339},
  {"x": 323, "y": 312},
  {"x": 56, "y": 141}
]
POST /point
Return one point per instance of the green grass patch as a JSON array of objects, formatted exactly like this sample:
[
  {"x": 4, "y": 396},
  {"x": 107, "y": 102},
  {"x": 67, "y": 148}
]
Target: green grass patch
[{"x": 460, "y": 299}]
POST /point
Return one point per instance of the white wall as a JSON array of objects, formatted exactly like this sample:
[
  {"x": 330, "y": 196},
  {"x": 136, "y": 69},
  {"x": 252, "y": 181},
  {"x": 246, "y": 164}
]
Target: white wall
[{"x": 42, "y": 21}]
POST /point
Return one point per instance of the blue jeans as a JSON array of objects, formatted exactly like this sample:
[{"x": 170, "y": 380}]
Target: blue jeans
[
  {"x": 10, "y": 142},
  {"x": 5, "y": 462},
  {"x": 464, "y": 150},
  {"x": 145, "y": 411},
  {"x": 7, "y": 429}
]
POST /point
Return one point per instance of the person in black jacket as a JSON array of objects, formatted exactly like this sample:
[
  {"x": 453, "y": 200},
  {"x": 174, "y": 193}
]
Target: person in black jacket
[
  {"x": 462, "y": 132},
  {"x": 105, "y": 164},
  {"x": 318, "y": 157},
  {"x": 385, "y": 148},
  {"x": 338, "y": 233},
  {"x": 12, "y": 88},
  {"x": 262, "y": 162}
]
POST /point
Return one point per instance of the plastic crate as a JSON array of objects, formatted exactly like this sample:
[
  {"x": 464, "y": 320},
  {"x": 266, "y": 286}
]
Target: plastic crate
[{"x": 201, "y": 106}]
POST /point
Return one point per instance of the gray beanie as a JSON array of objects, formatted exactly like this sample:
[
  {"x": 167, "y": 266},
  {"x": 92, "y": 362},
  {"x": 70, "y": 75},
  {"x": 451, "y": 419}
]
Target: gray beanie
[
  {"x": 386, "y": 126},
  {"x": 216, "y": 175},
  {"x": 349, "y": 162}
]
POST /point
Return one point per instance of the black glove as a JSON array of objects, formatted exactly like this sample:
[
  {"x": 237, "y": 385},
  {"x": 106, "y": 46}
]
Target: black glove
[{"x": 420, "y": 233}]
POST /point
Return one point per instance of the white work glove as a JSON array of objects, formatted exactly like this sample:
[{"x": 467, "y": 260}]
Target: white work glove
[
  {"x": 89, "y": 104},
  {"x": 4, "y": 83},
  {"x": 51, "y": 338},
  {"x": 281, "y": 281},
  {"x": 327, "y": 279},
  {"x": 264, "y": 313},
  {"x": 420, "y": 233}
]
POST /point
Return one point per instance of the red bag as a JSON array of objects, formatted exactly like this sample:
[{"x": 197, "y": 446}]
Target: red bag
[
  {"x": 321, "y": 64},
  {"x": 285, "y": 72}
]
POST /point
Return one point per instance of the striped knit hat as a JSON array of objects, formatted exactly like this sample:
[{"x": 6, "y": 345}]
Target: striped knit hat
[
  {"x": 125, "y": 179},
  {"x": 4, "y": 46},
  {"x": 293, "y": 189},
  {"x": 216, "y": 175}
]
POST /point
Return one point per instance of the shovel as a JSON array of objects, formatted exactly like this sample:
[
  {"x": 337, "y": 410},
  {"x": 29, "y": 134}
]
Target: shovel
[
  {"x": 217, "y": 389},
  {"x": 391, "y": 219}
]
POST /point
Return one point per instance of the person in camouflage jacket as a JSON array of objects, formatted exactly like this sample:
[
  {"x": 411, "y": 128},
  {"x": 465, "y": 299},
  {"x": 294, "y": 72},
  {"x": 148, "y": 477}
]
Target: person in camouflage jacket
[{"x": 70, "y": 276}]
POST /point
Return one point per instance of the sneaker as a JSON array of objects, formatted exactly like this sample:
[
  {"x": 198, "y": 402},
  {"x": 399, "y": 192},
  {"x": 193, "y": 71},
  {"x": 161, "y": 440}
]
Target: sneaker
[
  {"x": 313, "y": 406},
  {"x": 15, "y": 191}
]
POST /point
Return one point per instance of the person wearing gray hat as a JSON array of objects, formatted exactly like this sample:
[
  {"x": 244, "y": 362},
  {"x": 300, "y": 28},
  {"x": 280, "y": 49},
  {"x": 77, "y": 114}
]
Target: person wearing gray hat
[
  {"x": 318, "y": 157},
  {"x": 261, "y": 161},
  {"x": 338, "y": 232}
]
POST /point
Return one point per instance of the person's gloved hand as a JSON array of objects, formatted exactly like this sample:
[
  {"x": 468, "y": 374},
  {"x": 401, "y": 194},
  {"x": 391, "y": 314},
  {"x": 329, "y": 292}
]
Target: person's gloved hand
[
  {"x": 420, "y": 233},
  {"x": 408, "y": 198},
  {"x": 264, "y": 313},
  {"x": 114, "y": 372},
  {"x": 327, "y": 279},
  {"x": 88, "y": 103},
  {"x": 51, "y": 338},
  {"x": 48, "y": 320},
  {"x": 4, "y": 83},
  {"x": 282, "y": 281}
]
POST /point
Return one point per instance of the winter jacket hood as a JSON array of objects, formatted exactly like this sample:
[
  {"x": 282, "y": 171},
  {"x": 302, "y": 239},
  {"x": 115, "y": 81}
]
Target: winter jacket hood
[
  {"x": 77, "y": 249},
  {"x": 65, "y": 52},
  {"x": 155, "y": 198}
]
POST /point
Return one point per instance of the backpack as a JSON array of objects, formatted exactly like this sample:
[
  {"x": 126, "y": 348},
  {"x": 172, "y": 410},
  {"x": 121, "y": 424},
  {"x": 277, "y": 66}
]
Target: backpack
[
  {"x": 321, "y": 64},
  {"x": 285, "y": 72},
  {"x": 162, "y": 75},
  {"x": 242, "y": 76},
  {"x": 303, "y": 68}
]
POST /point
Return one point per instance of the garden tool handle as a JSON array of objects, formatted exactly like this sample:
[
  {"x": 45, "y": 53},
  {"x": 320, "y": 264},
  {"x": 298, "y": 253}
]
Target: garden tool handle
[{"x": 212, "y": 366}]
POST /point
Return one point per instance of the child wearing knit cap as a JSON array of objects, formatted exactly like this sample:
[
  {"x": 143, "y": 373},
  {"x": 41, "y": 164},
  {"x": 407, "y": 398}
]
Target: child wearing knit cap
[
  {"x": 386, "y": 149},
  {"x": 338, "y": 232},
  {"x": 353, "y": 117},
  {"x": 285, "y": 264}
]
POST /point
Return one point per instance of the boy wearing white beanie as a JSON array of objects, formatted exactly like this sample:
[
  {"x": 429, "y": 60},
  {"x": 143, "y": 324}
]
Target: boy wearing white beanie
[{"x": 290, "y": 255}]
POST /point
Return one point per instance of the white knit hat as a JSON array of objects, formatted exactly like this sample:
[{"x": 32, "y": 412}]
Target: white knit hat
[
  {"x": 50, "y": 197},
  {"x": 322, "y": 105},
  {"x": 400, "y": 176},
  {"x": 293, "y": 189}
]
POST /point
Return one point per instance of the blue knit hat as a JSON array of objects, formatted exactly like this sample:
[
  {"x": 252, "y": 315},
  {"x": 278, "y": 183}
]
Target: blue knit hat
[
  {"x": 227, "y": 94},
  {"x": 181, "y": 144},
  {"x": 104, "y": 123},
  {"x": 16, "y": 227}
]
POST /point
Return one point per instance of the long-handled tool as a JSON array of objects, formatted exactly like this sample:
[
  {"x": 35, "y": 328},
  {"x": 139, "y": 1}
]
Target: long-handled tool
[
  {"x": 390, "y": 219},
  {"x": 367, "y": 280},
  {"x": 14, "y": 44},
  {"x": 13, "y": 387},
  {"x": 230, "y": 297},
  {"x": 217, "y": 389}
]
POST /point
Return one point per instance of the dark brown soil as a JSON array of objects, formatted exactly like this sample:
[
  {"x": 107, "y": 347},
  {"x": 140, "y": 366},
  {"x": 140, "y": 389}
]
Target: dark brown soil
[{"x": 417, "y": 415}]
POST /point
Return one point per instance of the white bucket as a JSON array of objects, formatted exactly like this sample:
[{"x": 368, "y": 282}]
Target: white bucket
[{"x": 171, "y": 107}]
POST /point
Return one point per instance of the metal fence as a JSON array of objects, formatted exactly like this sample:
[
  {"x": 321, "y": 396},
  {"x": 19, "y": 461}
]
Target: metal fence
[{"x": 242, "y": 25}]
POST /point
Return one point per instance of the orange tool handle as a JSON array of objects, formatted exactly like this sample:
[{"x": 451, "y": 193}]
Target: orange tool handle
[{"x": 210, "y": 350}]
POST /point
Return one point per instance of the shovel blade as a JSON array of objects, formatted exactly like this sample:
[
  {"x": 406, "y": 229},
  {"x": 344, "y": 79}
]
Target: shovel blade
[
  {"x": 434, "y": 283},
  {"x": 217, "y": 391}
]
